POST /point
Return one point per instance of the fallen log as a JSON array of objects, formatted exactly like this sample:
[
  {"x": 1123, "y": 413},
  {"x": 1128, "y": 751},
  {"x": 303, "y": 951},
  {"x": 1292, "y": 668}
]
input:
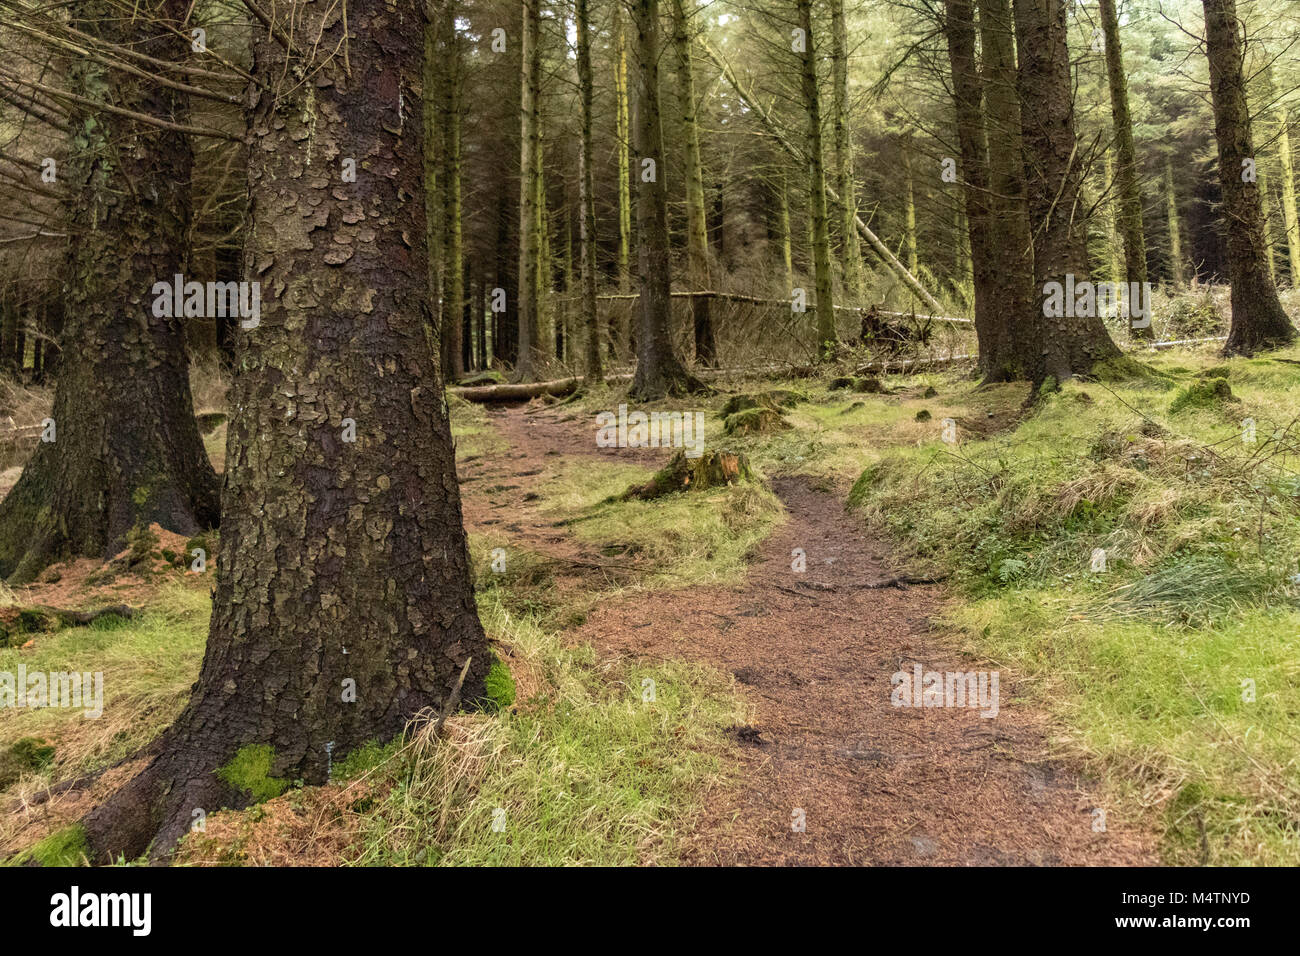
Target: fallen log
[{"x": 521, "y": 392}]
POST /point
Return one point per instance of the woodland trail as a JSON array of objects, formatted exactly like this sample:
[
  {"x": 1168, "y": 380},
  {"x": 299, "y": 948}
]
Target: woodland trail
[{"x": 815, "y": 652}]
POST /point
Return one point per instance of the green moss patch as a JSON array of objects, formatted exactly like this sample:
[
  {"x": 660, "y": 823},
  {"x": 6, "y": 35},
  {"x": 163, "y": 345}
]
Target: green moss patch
[{"x": 250, "y": 771}]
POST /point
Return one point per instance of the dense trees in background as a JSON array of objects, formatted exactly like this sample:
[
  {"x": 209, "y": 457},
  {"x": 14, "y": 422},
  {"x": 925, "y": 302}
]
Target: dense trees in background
[
  {"x": 1098, "y": 145},
  {"x": 428, "y": 189}
]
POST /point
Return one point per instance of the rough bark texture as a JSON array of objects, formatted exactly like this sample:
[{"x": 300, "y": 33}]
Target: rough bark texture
[
  {"x": 1053, "y": 174},
  {"x": 1258, "y": 321},
  {"x": 340, "y": 561},
  {"x": 530, "y": 240},
  {"x": 453, "y": 302},
  {"x": 658, "y": 370},
  {"x": 126, "y": 448},
  {"x": 850, "y": 248},
  {"x": 623, "y": 125},
  {"x": 820, "y": 222},
  {"x": 587, "y": 203},
  {"x": 1014, "y": 324},
  {"x": 1177, "y": 269},
  {"x": 1127, "y": 179},
  {"x": 697, "y": 238},
  {"x": 1291, "y": 221},
  {"x": 959, "y": 31}
]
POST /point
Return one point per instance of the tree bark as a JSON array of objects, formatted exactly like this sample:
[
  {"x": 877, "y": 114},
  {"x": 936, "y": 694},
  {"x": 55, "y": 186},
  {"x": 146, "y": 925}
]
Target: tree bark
[
  {"x": 1289, "y": 205},
  {"x": 344, "y": 571},
  {"x": 972, "y": 141},
  {"x": 453, "y": 302},
  {"x": 1258, "y": 321},
  {"x": 587, "y": 203},
  {"x": 820, "y": 225},
  {"x": 1177, "y": 269},
  {"x": 1127, "y": 174},
  {"x": 658, "y": 370},
  {"x": 126, "y": 449},
  {"x": 850, "y": 248},
  {"x": 1018, "y": 339},
  {"x": 530, "y": 344},
  {"x": 623, "y": 124},
  {"x": 697, "y": 238},
  {"x": 1053, "y": 174}
]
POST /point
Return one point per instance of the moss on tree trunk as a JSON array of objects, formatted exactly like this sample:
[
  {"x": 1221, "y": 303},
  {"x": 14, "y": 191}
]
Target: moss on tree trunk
[
  {"x": 344, "y": 604},
  {"x": 124, "y": 448}
]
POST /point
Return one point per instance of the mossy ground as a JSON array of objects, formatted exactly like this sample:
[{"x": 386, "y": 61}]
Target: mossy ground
[{"x": 1144, "y": 667}]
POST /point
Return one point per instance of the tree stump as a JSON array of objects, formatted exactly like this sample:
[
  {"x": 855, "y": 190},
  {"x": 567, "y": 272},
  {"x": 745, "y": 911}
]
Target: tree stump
[{"x": 714, "y": 469}]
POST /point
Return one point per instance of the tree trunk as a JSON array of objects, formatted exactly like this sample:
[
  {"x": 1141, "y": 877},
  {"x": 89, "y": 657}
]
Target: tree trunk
[
  {"x": 587, "y": 204},
  {"x": 697, "y": 238},
  {"x": 850, "y": 248},
  {"x": 1010, "y": 342},
  {"x": 959, "y": 30},
  {"x": 344, "y": 603},
  {"x": 453, "y": 302},
  {"x": 125, "y": 447},
  {"x": 1127, "y": 176},
  {"x": 821, "y": 236},
  {"x": 1175, "y": 228},
  {"x": 1053, "y": 174},
  {"x": 1258, "y": 321},
  {"x": 787, "y": 250},
  {"x": 658, "y": 370},
  {"x": 1289, "y": 212},
  {"x": 913, "y": 255},
  {"x": 530, "y": 343},
  {"x": 624, "y": 132}
]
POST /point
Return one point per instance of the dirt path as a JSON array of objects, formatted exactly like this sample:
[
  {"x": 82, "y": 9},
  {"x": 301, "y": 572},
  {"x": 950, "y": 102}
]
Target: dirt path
[{"x": 873, "y": 784}]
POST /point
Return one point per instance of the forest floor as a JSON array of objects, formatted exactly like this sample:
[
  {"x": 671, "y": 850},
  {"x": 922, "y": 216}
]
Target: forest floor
[
  {"x": 812, "y": 654},
  {"x": 683, "y": 694}
]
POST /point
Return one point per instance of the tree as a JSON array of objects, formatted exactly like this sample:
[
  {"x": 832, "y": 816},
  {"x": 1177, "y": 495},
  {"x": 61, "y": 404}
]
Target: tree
[
  {"x": 658, "y": 370},
  {"x": 343, "y": 604},
  {"x": 820, "y": 224},
  {"x": 624, "y": 133},
  {"x": 1012, "y": 347},
  {"x": 453, "y": 301},
  {"x": 530, "y": 188},
  {"x": 1053, "y": 175},
  {"x": 1126, "y": 167},
  {"x": 1291, "y": 221},
  {"x": 1258, "y": 321},
  {"x": 122, "y": 449},
  {"x": 850, "y": 249},
  {"x": 587, "y": 202},
  {"x": 697, "y": 240},
  {"x": 959, "y": 31}
]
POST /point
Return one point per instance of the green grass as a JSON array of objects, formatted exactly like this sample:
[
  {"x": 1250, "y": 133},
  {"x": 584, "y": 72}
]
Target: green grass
[
  {"x": 148, "y": 664},
  {"x": 471, "y": 431},
  {"x": 66, "y": 847},
  {"x": 586, "y": 770},
  {"x": 1143, "y": 664}
]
